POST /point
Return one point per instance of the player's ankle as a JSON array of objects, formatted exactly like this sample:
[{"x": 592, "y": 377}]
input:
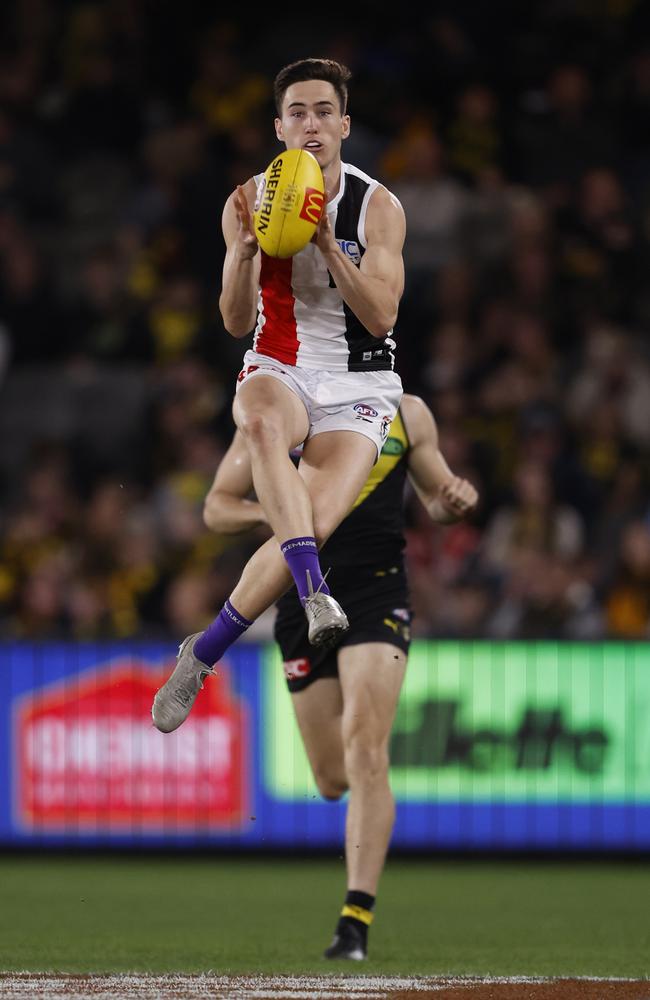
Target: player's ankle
[
  {"x": 357, "y": 912},
  {"x": 301, "y": 556}
]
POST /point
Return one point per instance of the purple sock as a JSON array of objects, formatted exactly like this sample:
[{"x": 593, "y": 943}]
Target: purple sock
[
  {"x": 302, "y": 555},
  {"x": 227, "y": 626}
]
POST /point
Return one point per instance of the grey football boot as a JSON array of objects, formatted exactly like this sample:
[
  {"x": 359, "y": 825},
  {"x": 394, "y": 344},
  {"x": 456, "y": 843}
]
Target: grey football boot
[
  {"x": 173, "y": 701},
  {"x": 327, "y": 619}
]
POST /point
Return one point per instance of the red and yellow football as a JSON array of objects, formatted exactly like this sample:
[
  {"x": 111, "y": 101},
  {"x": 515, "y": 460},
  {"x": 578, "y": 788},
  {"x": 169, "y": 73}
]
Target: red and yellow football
[{"x": 290, "y": 201}]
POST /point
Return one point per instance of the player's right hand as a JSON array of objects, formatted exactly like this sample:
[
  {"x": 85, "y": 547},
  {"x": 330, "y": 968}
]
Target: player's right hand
[
  {"x": 458, "y": 497},
  {"x": 324, "y": 235},
  {"x": 248, "y": 245}
]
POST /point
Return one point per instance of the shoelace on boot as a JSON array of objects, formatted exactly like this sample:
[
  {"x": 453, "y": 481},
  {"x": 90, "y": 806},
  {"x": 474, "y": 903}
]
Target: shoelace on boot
[{"x": 314, "y": 593}]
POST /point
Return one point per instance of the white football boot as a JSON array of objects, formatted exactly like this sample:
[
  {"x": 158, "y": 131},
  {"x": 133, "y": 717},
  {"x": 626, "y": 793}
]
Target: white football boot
[
  {"x": 327, "y": 619},
  {"x": 173, "y": 701}
]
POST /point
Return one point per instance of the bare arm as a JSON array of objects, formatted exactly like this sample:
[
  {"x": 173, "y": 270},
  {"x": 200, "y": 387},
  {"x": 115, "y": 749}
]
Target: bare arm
[
  {"x": 227, "y": 508},
  {"x": 446, "y": 497},
  {"x": 373, "y": 290},
  {"x": 241, "y": 268}
]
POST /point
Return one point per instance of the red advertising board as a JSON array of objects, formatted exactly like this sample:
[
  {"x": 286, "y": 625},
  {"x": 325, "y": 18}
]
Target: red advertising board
[{"x": 88, "y": 756}]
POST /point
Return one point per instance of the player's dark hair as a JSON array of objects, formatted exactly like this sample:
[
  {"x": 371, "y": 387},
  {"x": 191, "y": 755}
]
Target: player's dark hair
[{"x": 313, "y": 69}]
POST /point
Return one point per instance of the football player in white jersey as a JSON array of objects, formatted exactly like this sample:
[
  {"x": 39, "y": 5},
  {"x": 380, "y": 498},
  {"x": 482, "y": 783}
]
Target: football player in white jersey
[{"x": 321, "y": 372}]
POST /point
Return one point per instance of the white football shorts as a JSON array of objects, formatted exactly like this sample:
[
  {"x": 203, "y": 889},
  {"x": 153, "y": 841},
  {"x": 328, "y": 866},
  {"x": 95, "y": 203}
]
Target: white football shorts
[{"x": 365, "y": 402}]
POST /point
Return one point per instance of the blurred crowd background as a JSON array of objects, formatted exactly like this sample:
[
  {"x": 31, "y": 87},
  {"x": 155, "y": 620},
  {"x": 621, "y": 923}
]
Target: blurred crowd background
[{"x": 516, "y": 135}]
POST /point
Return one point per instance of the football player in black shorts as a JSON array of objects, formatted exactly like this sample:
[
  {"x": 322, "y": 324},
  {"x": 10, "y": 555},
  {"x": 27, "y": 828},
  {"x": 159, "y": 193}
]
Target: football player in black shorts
[{"x": 345, "y": 719}]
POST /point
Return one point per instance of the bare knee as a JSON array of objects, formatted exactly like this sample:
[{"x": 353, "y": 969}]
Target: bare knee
[
  {"x": 366, "y": 758},
  {"x": 261, "y": 428},
  {"x": 325, "y": 524},
  {"x": 320, "y": 534},
  {"x": 331, "y": 786}
]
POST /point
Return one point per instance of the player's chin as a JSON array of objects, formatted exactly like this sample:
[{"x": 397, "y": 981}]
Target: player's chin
[{"x": 319, "y": 152}]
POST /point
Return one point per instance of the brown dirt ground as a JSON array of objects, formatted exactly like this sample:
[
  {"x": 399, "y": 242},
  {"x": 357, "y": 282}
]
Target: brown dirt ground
[{"x": 21, "y": 986}]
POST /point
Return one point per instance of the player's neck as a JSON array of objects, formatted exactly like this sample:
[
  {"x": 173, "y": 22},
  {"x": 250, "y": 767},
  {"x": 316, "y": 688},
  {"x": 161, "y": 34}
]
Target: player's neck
[{"x": 332, "y": 177}]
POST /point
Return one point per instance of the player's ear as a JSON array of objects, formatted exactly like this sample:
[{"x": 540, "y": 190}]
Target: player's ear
[
  {"x": 278, "y": 129},
  {"x": 345, "y": 126}
]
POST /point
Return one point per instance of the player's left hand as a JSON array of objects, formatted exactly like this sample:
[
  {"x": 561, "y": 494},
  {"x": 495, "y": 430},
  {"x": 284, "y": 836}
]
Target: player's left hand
[{"x": 458, "y": 497}]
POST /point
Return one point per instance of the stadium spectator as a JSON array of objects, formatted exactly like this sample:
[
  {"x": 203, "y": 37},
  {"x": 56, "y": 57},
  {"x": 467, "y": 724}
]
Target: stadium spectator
[
  {"x": 522, "y": 164},
  {"x": 533, "y": 522},
  {"x": 628, "y": 596}
]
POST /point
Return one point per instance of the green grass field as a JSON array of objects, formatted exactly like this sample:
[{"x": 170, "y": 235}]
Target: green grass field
[{"x": 159, "y": 915}]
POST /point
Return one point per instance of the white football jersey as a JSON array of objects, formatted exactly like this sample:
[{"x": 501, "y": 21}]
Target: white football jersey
[{"x": 302, "y": 319}]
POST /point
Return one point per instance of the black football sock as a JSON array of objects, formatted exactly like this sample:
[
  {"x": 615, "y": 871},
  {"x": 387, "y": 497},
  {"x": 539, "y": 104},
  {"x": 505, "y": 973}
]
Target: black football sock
[{"x": 357, "y": 913}]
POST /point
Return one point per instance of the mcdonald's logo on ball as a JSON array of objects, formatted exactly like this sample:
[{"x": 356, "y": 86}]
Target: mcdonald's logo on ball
[{"x": 312, "y": 206}]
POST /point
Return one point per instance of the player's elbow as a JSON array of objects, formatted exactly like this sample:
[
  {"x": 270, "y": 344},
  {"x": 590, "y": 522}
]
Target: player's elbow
[
  {"x": 236, "y": 323},
  {"x": 237, "y": 328},
  {"x": 213, "y": 515},
  {"x": 210, "y": 518},
  {"x": 239, "y": 331},
  {"x": 383, "y": 323}
]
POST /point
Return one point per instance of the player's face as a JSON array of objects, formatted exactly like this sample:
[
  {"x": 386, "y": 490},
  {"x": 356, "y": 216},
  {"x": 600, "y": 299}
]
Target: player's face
[{"x": 311, "y": 119}]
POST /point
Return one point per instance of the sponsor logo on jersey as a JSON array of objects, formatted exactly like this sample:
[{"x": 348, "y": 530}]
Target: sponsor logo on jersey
[
  {"x": 402, "y": 613},
  {"x": 293, "y": 669},
  {"x": 393, "y": 446},
  {"x": 365, "y": 411},
  {"x": 351, "y": 249},
  {"x": 398, "y": 629},
  {"x": 312, "y": 206}
]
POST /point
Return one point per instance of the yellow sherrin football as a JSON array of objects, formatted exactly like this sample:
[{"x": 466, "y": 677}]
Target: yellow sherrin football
[{"x": 289, "y": 203}]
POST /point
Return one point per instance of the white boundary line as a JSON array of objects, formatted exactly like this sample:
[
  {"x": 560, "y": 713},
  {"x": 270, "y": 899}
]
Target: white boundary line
[{"x": 213, "y": 987}]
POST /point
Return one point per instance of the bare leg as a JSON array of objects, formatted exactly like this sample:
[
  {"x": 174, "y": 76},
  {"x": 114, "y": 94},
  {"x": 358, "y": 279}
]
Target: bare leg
[
  {"x": 335, "y": 466},
  {"x": 319, "y": 710},
  {"x": 272, "y": 420},
  {"x": 334, "y": 469},
  {"x": 371, "y": 676},
  {"x": 264, "y": 580}
]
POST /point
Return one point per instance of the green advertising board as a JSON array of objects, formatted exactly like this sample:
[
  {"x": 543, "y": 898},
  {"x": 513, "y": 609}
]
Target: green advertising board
[{"x": 498, "y": 722}]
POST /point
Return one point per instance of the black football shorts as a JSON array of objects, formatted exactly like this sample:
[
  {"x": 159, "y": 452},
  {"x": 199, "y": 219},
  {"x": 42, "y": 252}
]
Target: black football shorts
[{"x": 376, "y": 602}]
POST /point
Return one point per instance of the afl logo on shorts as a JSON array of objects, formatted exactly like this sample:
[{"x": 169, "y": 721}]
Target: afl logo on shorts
[
  {"x": 365, "y": 411},
  {"x": 312, "y": 206}
]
